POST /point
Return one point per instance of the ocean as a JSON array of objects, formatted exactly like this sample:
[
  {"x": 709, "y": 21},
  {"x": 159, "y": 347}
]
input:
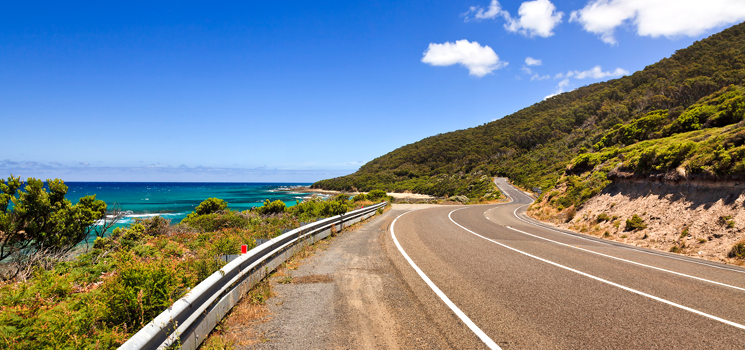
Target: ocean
[{"x": 174, "y": 200}]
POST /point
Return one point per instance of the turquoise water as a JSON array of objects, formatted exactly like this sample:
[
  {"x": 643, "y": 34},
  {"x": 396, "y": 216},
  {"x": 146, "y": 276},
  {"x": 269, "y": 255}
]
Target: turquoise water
[{"x": 177, "y": 199}]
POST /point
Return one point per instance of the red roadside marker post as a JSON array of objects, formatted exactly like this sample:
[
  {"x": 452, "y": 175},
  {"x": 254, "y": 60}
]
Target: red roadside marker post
[{"x": 244, "y": 249}]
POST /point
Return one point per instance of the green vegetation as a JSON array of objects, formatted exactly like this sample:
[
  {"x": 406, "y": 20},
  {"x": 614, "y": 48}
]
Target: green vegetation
[
  {"x": 100, "y": 298},
  {"x": 684, "y": 111},
  {"x": 635, "y": 223},
  {"x": 684, "y": 233},
  {"x": 35, "y": 220},
  {"x": 602, "y": 217},
  {"x": 210, "y": 205},
  {"x": 726, "y": 221},
  {"x": 738, "y": 250},
  {"x": 376, "y": 194},
  {"x": 274, "y": 207}
]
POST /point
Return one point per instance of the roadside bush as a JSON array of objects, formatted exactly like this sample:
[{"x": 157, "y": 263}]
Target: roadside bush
[
  {"x": 570, "y": 213},
  {"x": 635, "y": 223},
  {"x": 738, "y": 250},
  {"x": 140, "y": 290},
  {"x": 211, "y": 205},
  {"x": 316, "y": 207},
  {"x": 603, "y": 217},
  {"x": 360, "y": 197},
  {"x": 157, "y": 225},
  {"x": 275, "y": 207},
  {"x": 726, "y": 220},
  {"x": 217, "y": 221},
  {"x": 376, "y": 195}
]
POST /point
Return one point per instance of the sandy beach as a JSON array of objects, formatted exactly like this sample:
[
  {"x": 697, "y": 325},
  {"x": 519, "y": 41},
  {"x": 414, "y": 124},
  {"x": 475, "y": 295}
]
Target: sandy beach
[{"x": 392, "y": 194}]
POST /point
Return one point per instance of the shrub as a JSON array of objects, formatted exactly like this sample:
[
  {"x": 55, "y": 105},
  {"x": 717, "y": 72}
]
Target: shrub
[
  {"x": 726, "y": 220},
  {"x": 157, "y": 225},
  {"x": 376, "y": 195},
  {"x": 603, "y": 217},
  {"x": 217, "y": 221},
  {"x": 341, "y": 197},
  {"x": 358, "y": 198},
  {"x": 211, "y": 205},
  {"x": 570, "y": 213},
  {"x": 635, "y": 223},
  {"x": 277, "y": 206},
  {"x": 684, "y": 233},
  {"x": 738, "y": 250}
]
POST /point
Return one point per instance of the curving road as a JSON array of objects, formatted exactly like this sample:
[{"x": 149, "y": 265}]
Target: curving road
[{"x": 489, "y": 277}]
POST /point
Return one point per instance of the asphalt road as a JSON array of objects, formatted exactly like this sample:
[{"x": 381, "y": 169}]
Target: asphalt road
[{"x": 487, "y": 276}]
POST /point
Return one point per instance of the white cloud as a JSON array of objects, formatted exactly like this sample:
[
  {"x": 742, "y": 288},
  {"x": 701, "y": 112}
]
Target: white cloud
[
  {"x": 539, "y": 77},
  {"x": 480, "y": 60},
  {"x": 595, "y": 73},
  {"x": 532, "y": 61},
  {"x": 535, "y": 18},
  {"x": 657, "y": 18},
  {"x": 526, "y": 70},
  {"x": 559, "y": 89},
  {"x": 492, "y": 12}
]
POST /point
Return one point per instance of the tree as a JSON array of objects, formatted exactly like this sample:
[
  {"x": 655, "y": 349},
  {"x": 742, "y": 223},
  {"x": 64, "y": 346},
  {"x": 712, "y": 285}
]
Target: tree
[{"x": 35, "y": 218}]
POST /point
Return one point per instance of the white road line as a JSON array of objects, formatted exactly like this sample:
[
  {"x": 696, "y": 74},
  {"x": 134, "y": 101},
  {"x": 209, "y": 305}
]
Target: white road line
[
  {"x": 613, "y": 245},
  {"x": 628, "y": 248},
  {"x": 733, "y": 324},
  {"x": 475, "y": 329},
  {"x": 628, "y": 261}
]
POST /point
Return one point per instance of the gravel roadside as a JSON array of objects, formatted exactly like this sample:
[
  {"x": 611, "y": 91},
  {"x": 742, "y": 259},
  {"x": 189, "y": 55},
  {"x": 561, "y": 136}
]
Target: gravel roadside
[{"x": 348, "y": 295}]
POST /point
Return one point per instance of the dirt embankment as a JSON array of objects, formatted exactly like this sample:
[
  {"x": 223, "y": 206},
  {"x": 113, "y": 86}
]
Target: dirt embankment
[{"x": 703, "y": 221}]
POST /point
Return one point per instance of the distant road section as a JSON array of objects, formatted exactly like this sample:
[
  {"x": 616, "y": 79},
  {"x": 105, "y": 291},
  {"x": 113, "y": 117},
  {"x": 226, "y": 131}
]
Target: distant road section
[{"x": 489, "y": 277}]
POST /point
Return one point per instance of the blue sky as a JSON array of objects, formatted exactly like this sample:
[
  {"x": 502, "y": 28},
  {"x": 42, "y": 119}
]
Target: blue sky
[{"x": 299, "y": 91}]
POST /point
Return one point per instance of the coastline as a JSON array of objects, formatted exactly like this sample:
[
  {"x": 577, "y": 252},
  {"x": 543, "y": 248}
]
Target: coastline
[{"x": 307, "y": 189}]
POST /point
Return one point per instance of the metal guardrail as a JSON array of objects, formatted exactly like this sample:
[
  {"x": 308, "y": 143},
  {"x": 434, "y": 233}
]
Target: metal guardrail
[{"x": 190, "y": 319}]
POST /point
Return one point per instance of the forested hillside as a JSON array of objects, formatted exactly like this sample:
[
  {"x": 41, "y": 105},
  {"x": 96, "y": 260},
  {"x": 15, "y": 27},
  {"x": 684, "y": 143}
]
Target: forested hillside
[{"x": 681, "y": 114}]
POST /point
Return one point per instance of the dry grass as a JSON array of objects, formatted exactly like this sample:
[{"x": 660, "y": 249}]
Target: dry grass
[{"x": 313, "y": 279}]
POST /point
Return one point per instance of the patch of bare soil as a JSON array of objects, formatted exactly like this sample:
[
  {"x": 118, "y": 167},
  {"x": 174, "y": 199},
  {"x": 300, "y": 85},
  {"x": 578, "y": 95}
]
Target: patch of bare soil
[
  {"x": 312, "y": 279},
  {"x": 696, "y": 221}
]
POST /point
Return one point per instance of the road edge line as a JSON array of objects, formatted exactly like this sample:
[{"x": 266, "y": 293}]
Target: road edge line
[
  {"x": 628, "y": 289},
  {"x": 628, "y": 261},
  {"x": 474, "y": 328}
]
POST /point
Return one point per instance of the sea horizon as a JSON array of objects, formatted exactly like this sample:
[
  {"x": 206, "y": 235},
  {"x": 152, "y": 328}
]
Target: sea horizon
[{"x": 175, "y": 200}]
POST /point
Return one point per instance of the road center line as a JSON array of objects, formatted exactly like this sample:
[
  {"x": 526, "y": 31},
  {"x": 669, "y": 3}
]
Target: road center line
[
  {"x": 611, "y": 245},
  {"x": 475, "y": 329},
  {"x": 628, "y": 261},
  {"x": 606, "y": 243},
  {"x": 733, "y": 324}
]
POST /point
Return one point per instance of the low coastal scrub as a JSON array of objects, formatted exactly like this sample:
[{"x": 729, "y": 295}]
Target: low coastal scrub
[
  {"x": 476, "y": 186},
  {"x": 738, "y": 250},
  {"x": 98, "y": 299},
  {"x": 635, "y": 223}
]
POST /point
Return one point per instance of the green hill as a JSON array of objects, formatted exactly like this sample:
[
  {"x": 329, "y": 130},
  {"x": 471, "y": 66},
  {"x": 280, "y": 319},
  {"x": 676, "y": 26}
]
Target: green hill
[{"x": 646, "y": 124}]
